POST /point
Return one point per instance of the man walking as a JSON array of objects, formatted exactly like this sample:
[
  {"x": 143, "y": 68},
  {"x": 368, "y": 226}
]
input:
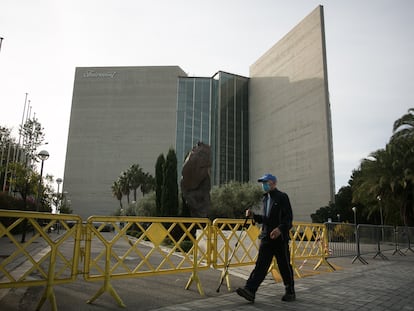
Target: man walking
[{"x": 276, "y": 222}]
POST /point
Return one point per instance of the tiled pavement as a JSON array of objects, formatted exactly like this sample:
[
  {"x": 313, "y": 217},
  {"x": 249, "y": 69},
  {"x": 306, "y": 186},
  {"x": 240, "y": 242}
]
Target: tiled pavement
[{"x": 379, "y": 285}]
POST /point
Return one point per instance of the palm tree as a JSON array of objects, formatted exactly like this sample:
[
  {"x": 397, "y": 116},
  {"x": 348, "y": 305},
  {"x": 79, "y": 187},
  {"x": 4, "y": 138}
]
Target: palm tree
[
  {"x": 403, "y": 142},
  {"x": 117, "y": 193},
  {"x": 124, "y": 184},
  {"x": 378, "y": 177},
  {"x": 148, "y": 184},
  {"x": 404, "y": 126},
  {"x": 135, "y": 176}
]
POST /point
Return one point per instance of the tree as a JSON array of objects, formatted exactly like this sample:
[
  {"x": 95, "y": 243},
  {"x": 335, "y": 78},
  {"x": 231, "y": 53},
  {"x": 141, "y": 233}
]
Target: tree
[
  {"x": 384, "y": 180},
  {"x": 46, "y": 194},
  {"x": 25, "y": 181},
  {"x": 7, "y": 145},
  {"x": 343, "y": 204},
  {"x": 403, "y": 127},
  {"x": 403, "y": 141},
  {"x": 232, "y": 199},
  {"x": 374, "y": 178},
  {"x": 146, "y": 206},
  {"x": 5, "y": 135},
  {"x": 33, "y": 137},
  {"x": 124, "y": 185},
  {"x": 19, "y": 163},
  {"x": 117, "y": 192},
  {"x": 131, "y": 179},
  {"x": 148, "y": 184},
  {"x": 169, "y": 197},
  {"x": 159, "y": 181},
  {"x": 136, "y": 178},
  {"x": 340, "y": 211}
]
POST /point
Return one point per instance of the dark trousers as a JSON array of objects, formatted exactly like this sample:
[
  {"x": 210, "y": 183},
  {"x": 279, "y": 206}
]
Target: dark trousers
[{"x": 269, "y": 248}]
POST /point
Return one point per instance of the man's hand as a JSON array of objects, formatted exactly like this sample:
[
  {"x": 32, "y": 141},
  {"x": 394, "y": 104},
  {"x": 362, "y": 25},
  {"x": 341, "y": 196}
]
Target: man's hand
[
  {"x": 275, "y": 233},
  {"x": 249, "y": 213}
]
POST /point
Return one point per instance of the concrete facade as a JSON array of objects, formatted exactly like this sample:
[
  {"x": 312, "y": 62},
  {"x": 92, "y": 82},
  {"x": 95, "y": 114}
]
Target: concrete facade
[
  {"x": 128, "y": 115},
  {"x": 290, "y": 124},
  {"x": 120, "y": 116}
]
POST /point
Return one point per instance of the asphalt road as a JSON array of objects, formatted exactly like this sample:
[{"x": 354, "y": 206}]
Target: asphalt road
[{"x": 144, "y": 293}]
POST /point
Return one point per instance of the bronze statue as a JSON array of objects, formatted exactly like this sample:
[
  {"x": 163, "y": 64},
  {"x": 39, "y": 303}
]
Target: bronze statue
[{"x": 195, "y": 180}]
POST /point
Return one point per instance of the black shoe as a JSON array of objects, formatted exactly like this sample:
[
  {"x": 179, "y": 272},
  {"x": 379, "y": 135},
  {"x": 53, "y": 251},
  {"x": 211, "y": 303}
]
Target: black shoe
[
  {"x": 289, "y": 297},
  {"x": 246, "y": 294}
]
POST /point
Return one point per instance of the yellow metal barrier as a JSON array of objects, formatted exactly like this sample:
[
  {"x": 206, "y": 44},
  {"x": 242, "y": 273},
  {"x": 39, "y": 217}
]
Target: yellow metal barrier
[
  {"x": 36, "y": 258},
  {"x": 125, "y": 247},
  {"x": 233, "y": 245},
  {"x": 309, "y": 242}
]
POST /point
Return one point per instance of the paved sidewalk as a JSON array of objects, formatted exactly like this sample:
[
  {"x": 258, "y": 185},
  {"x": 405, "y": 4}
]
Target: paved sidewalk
[{"x": 380, "y": 285}]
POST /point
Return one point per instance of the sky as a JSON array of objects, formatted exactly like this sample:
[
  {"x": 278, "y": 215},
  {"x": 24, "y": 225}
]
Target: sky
[{"x": 369, "y": 45}]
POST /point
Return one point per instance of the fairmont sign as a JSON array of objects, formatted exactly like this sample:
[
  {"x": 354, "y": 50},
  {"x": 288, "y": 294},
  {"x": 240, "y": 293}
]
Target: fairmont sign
[{"x": 94, "y": 74}]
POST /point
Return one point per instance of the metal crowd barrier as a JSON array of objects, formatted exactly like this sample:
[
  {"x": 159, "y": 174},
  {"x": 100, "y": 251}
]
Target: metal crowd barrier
[
  {"x": 233, "y": 245},
  {"x": 309, "y": 242},
  {"x": 404, "y": 238},
  {"x": 341, "y": 239},
  {"x": 33, "y": 255},
  {"x": 127, "y": 247},
  {"x": 361, "y": 240},
  {"x": 229, "y": 237},
  {"x": 376, "y": 239}
]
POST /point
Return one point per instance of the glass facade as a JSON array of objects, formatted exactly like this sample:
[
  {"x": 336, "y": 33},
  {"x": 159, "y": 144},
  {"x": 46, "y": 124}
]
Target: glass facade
[
  {"x": 193, "y": 115},
  {"x": 215, "y": 111},
  {"x": 232, "y": 145}
]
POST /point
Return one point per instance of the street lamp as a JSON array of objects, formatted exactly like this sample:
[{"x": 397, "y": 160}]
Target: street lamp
[
  {"x": 354, "y": 209},
  {"x": 58, "y": 181},
  {"x": 382, "y": 218},
  {"x": 43, "y": 156},
  {"x": 58, "y": 203}
]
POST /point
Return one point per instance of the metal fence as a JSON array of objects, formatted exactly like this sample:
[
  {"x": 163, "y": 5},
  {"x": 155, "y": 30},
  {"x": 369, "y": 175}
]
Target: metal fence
[
  {"x": 39, "y": 258},
  {"x": 58, "y": 248},
  {"x": 361, "y": 241},
  {"x": 404, "y": 238}
]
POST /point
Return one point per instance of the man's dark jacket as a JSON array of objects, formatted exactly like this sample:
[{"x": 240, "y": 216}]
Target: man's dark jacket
[{"x": 280, "y": 215}]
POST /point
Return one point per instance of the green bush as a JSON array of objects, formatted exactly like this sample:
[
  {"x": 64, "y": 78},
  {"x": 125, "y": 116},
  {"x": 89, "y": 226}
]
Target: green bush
[
  {"x": 147, "y": 206},
  {"x": 16, "y": 204},
  {"x": 232, "y": 199}
]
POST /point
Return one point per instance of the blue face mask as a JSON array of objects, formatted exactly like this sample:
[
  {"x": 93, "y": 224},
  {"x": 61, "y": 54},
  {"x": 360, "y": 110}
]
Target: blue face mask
[{"x": 266, "y": 187}]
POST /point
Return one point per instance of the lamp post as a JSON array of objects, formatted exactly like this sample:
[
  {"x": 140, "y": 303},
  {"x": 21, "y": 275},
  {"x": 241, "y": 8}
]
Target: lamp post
[
  {"x": 43, "y": 156},
  {"x": 382, "y": 218},
  {"x": 58, "y": 181},
  {"x": 354, "y": 209},
  {"x": 58, "y": 202}
]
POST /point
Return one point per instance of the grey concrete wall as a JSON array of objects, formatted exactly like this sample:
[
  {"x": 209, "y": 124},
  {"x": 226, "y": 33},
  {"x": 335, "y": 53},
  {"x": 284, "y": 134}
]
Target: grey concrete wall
[
  {"x": 120, "y": 116},
  {"x": 290, "y": 125}
]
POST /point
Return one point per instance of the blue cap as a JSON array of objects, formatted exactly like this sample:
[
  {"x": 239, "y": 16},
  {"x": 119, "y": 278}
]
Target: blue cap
[{"x": 267, "y": 177}]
